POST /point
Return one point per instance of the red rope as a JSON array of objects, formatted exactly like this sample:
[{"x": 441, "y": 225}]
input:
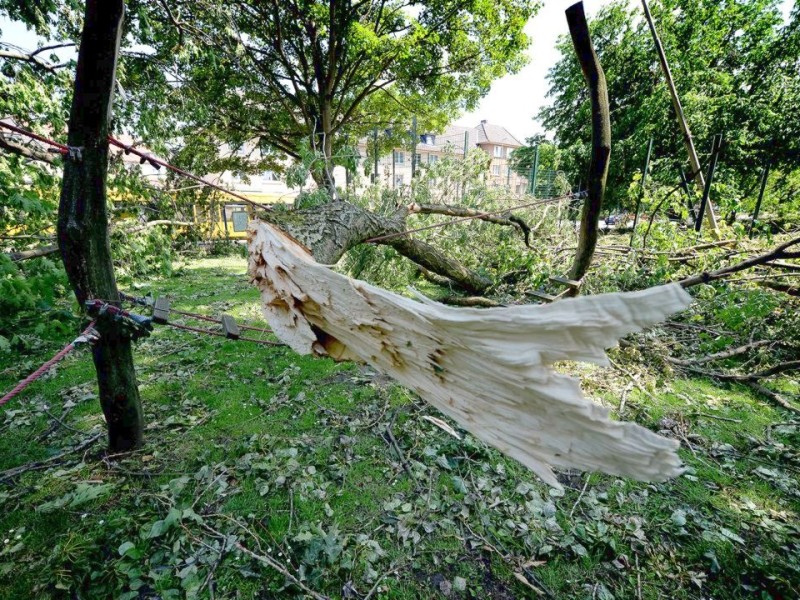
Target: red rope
[
  {"x": 149, "y": 157},
  {"x": 84, "y": 336},
  {"x": 61, "y": 147},
  {"x": 158, "y": 161}
]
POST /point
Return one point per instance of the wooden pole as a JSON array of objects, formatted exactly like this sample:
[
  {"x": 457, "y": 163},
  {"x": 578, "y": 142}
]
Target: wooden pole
[
  {"x": 375, "y": 156},
  {"x": 83, "y": 223},
  {"x": 641, "y": 195},
  {"x": 601, "y": 139},
  {"x": 764, "y": 176},
  {"x": 694, "y": 161},
  {"x": 716, "y": 147},
  {"x": 414, "y": 139}
]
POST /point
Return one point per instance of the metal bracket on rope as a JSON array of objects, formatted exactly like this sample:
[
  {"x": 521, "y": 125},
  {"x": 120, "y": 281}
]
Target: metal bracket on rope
[
  {"x": 133, "y": 326},
  {"x": 74, "y": 153},
  {"x": 89, "y": 336}
]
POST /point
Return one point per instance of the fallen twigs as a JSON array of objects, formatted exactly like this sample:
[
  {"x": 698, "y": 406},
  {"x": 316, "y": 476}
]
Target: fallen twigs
[
  {"x": 751, "y": 380},
  {"x": 719, "y": 355},
  {"x": 266, "y": 560},
  {"x": 43, "y": 464},
  {"x": 774, "y": 396}
]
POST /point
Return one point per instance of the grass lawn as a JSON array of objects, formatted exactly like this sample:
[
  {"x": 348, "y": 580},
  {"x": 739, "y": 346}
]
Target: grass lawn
[{"x": 268, "y": 475}]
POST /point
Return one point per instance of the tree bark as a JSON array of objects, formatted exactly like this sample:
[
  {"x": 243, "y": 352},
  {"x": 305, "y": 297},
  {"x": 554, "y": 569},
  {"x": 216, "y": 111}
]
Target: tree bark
[
  {"x": 601, "y": 139},
  {"x": 83, "y": 223}
]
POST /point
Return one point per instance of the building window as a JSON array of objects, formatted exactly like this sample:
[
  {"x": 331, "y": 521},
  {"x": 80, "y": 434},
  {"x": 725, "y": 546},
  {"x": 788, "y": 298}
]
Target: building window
[
  {"x": 399, "y": 158},
  {"x": 269, "y": 176},
  {"x": 498, "y": 151},
  {"x": 496, "y": 170},
  {"x": 398, "y": 181},
  {"x": 419, "y": 159},
  {"x": 432, "y": 158}
]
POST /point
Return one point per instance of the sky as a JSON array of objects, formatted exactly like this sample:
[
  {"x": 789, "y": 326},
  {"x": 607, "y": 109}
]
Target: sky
[{"x": 515, "y": 99}]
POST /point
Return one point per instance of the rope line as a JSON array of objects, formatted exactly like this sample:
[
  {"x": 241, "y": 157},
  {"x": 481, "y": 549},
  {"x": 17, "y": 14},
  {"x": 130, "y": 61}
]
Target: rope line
[
  {"x": 469, "y": 218},
  {"x": 87, "y": 335},
  {"x": 128, "y": 149},
  {"x": 61, "y": 147},
  {"x": 199, "y": 317},
  {"x": 220, "y": 334},
  {"x": 157, "y": 161}
]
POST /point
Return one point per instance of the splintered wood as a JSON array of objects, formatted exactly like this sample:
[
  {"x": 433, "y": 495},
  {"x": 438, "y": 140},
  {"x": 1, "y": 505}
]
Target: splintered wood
[{"x": 487, "y": 369}]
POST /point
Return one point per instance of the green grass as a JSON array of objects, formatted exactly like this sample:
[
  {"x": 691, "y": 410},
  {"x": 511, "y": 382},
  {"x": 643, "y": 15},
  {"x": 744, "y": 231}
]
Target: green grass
[{"x": 285, "y": 454}]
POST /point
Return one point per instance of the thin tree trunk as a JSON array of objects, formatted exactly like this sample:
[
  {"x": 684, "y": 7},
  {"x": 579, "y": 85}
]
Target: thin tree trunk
[
  {"x": 601, "y": 139},
  {"x": 83, "y": 223}
]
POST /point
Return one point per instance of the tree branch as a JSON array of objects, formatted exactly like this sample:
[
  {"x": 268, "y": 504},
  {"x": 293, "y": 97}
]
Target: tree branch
[
  {"x": 460, "y": 211},
  {"x": 35, "y": 253},
  {"x": 777, "y": 253},
  {"x": 8, "y": 143},
  {"x": 33, "y": 59}
]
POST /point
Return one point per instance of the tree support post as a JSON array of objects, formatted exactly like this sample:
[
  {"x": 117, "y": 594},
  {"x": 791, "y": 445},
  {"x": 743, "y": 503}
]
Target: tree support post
[
  {"x": 694, "y": 161},
  {"x": 689, "y": 198},
  {"x": 414, "y": 139},
  {"x": 601, "y": 139},
  {"x": 716, "y": 146},
  {"x": 83, "y": 223},
  {"x": 534, "y": 170},
  {"x": 375, "y": 156},
  {"x": 764, "y": 176},
  {"x": 641, "y": 195}
]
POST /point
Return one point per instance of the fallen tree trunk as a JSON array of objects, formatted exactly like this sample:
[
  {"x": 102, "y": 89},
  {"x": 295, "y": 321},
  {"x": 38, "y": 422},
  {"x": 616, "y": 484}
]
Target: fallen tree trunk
[
  {"x": 330, "y": 230},
  {"x": 488, "y": 369},
  {"x": 35, "y": 253}
]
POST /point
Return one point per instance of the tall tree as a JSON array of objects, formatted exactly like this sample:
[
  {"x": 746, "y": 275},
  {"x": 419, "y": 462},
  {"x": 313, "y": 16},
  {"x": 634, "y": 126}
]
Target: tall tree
[
  {"x": 307, "y": 75},
  {"x": 731, "y": 61}
]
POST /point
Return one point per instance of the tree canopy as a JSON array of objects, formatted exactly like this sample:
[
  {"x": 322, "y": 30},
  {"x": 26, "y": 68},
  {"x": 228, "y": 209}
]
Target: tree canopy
[
  {"x": 306, "y": 74},
  {"x": 735, "y": 66}
]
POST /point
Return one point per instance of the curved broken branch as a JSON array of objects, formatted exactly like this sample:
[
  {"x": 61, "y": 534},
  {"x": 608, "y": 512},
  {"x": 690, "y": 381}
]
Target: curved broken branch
[
  {"x": 601, "y": 139},
  {"x": 461, "y": 211}
]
